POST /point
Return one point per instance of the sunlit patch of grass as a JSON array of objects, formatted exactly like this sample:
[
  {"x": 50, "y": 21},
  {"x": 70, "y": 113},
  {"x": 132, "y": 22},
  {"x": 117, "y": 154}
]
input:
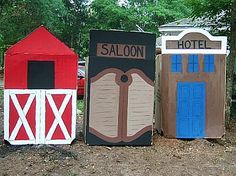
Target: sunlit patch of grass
[{"x": 80, "y": 105}]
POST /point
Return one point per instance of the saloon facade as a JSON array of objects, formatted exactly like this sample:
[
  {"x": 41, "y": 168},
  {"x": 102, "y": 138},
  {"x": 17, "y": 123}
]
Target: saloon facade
[{"x": 120, "y": 88}]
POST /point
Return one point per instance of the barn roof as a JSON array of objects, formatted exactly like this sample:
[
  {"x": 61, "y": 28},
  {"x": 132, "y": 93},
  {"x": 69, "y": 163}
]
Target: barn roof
[{"x": 40, "y": 41}]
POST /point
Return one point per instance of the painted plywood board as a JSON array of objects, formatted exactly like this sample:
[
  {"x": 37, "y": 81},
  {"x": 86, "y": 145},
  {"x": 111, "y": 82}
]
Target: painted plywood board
[
  {"x": 192, "y": 47},
  {"x": 120, "y": 94}
]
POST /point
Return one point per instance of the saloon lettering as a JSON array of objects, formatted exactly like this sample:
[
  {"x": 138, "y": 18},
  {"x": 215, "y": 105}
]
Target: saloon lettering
[
  {"x": 193, "y": 44},
  {"x": 121, "y": 50}
]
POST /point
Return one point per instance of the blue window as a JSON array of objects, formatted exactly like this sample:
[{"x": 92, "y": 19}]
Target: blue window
[
  {"x": 176, "y": 63},
  {"x": 193, "y": 63},
  {"x": 209, "y": 63}
]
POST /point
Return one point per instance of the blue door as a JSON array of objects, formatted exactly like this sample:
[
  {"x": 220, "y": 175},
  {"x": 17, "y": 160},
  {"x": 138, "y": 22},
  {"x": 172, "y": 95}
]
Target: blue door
[{"x": 190, "y": 110}]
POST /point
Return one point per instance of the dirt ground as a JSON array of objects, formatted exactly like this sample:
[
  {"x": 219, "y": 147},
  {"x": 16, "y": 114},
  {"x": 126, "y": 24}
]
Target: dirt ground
[{"x": 165, "y": 157}]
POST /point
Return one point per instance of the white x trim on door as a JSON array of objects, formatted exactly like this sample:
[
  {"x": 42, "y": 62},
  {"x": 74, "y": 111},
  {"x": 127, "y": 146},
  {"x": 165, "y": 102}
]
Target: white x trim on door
[
  {"x": 22, "y": 112},
  {"x": 58, "y": 116},
  {"x": 40, "y": 97},
  {"x": 22, "y": 119}
]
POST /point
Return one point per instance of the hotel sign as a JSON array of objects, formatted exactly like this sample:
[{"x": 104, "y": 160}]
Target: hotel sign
[{"x": 194, "y": 41}]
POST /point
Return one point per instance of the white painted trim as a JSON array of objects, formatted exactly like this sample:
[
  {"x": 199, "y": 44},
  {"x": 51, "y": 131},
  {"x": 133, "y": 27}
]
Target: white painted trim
[
  {"x": 74, "y": 114},
  {"x": 60, "y": 141},
  {"x": 28, "y": 91},
  {"x": 58, "y": 91},
  {"x": 178, "y": 29},
  {"x": 173, "y": 29},
  {"x": 21, "y": 142},
  {"x": 41, "y": 118},
  {"x": 6, "y": 114},
  {"x": 194, "y": 51},
  {"x": 22, "y": 91}
]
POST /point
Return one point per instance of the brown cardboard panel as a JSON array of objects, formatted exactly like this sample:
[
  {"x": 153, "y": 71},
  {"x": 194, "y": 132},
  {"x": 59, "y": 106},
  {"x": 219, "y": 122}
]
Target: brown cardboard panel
[
  {"x": 140, "y": 105},
  {"x": 193, "y": 41},
  {"x": 120, "y": 88},
  {"x": 215, "y": 94},
  {"x": 216, "y": 100},
  {"x": 86, "y": 99},
  {"x": 131, "y": 100},
  {"x": 104, "y": 105},
  {"x": 157, "y": 97}
]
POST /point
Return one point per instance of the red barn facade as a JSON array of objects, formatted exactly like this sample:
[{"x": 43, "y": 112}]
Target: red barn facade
[{"x": 40, "y": 82}]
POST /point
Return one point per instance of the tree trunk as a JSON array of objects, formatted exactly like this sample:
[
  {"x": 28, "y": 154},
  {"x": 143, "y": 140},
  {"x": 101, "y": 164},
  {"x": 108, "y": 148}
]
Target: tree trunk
[{"x": 231, "y": 62}]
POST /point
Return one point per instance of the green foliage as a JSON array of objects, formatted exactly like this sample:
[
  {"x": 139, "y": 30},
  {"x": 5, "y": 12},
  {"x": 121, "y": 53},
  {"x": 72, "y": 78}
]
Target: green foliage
[
  {"x": 216, "y": 12},
  {"x": 76, "y": 20},
  {"x": 19, "y": 18},
  {"x": 221, "y": 14},
  {"x": 151, "y": 14},
  {"x": 71, "y": 20},
  {"x": 208, "y": 8},
  {"x": 233, "y": 110},
  {"x": 80, "y": 105}
]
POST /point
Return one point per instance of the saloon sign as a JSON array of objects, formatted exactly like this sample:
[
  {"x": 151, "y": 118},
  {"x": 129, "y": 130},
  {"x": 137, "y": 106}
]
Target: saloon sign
[{"x": 121, "y": 50}]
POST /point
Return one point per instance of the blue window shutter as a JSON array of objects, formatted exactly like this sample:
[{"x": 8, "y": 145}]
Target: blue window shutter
[
  {"x": 206, "y": 63},
  {"x": 178, "y": 59},
  {"x": 211, "y": 68},
  {"x": 191, "y": 59},
  {"x": 195, "y": 58},
  {"x": 209, "y": 63},
  {"x": 195, "y": 68},
  {"x": 190, "y": 63},
  {"x": 173, "y": 59},
  {"x": 176, "y": 63},
  {"x": 190, "y": 68},
  {"x": 211, "y": 59},
  {"x": 193, "y": 63},
  {"x": 173, "y": 65},
  {"x": 179, "y": 67}
]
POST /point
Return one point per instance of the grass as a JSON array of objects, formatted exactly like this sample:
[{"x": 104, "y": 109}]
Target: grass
[
  {"x": 1, "y": 92},
  {"x": 1, "y": 96},
  {"x": 80, "y": 104},
  {"x": 233, "y": 110}
]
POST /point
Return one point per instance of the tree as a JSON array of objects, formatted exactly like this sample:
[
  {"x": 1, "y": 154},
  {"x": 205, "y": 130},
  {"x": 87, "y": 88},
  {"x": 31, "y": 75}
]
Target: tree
[
  {"x": 221, "y": 13},
  {"x": 108, "y": 14},
  {"x": 75, "y": 32},
  {"x": 150, "y": 14},
  {"x": 19, "y": 17},
  {"x": 71, "y": 20}
]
